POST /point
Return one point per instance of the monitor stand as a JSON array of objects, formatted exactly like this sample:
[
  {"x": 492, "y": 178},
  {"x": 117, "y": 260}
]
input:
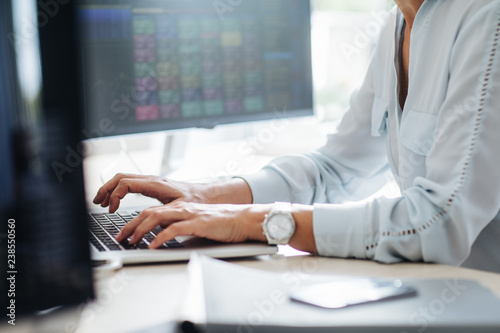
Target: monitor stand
[
  {"x": 174, "y": 152},
  {"x": 123, "y": 154},
  {"x": 160, "y": 154}
]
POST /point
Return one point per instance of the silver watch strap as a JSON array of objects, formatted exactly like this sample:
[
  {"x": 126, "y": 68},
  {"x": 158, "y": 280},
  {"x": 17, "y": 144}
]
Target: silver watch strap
[{"x": 282, "y": 206}]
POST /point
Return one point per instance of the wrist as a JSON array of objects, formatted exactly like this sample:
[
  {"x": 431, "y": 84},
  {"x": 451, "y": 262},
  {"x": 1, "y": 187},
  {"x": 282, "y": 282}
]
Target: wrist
[
  {"x": 202, "y": 193},
  {"x": 254, "y": 215},
  {"x": 303, "y": 238},
  {"x": 234, "y": 191}
]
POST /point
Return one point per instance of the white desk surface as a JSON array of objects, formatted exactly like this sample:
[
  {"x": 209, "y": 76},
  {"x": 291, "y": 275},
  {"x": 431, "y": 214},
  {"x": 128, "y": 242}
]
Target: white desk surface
[{"x": 140, "y": 297}]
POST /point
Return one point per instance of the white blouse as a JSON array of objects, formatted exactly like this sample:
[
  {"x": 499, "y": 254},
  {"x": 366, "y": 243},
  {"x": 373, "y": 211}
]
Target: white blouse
[{"x": 443, "y": 148}]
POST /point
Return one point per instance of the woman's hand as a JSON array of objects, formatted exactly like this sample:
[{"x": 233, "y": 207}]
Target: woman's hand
[
  {"x": 235, "y": 191},
  {"x": 220, "y": 222},
  {"x": 218, "y": 211}
]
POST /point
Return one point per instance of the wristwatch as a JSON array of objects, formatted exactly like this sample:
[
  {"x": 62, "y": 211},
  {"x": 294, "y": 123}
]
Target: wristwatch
[{"x": 279, "y": 224}]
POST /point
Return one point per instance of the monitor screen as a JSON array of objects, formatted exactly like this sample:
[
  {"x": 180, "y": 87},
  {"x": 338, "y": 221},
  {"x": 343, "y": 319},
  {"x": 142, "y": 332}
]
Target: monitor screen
[{"x": 152, "y": 65}]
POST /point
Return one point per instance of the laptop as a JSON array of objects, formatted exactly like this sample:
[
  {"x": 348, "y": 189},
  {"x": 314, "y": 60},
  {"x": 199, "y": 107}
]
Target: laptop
[{"x": 104, "y": 226}]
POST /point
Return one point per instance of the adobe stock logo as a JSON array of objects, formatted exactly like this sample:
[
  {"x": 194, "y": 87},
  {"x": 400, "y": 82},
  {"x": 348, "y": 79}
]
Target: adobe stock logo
[
  {"x": 364, "y": 38},
  {"x": 222, "y": 7}
]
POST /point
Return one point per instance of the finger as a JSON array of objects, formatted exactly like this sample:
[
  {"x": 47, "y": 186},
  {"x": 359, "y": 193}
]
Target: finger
[
  {"x": 149, "y": 223},
  {"x": 183, "y": 228},
  {"x": 125, "y": 186},
  {"x": 105, "y": 202},
  {"x": 150, "y": 219},
  {"x": 129, "y": 228},
  {"x": 110, "y": 185}
]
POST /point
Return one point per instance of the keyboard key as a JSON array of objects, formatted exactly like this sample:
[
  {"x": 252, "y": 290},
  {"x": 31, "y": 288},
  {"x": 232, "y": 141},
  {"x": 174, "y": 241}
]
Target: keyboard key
[
  {"x": 174, "y": 244},
  {"x": 96, "y": 243},
  {"x": 142, "y": 245},
  {"x": 104, "y": 227},
  {"x": 128, "y": 246},
  {"x": 149, "y": 237},
  {"x": 157, "y": 230}
]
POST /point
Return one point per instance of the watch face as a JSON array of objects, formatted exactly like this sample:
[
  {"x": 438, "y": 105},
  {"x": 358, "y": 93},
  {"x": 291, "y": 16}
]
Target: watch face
[{"x": 279, "y": 227}]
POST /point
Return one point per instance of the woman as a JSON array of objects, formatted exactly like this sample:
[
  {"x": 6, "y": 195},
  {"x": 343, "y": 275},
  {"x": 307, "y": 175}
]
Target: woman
[{"x": 428, "y": 111}]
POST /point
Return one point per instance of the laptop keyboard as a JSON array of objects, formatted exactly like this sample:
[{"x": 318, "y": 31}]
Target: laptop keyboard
[{"x": 105, "y": 226}]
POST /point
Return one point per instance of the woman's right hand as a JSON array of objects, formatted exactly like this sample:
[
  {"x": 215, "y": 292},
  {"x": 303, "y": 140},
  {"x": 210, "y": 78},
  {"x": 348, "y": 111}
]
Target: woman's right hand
[{"x": 235, "y": 191}]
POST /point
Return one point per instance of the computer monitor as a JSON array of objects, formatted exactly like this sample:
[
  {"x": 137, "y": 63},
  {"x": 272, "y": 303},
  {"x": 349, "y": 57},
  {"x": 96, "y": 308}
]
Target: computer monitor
[
  {"x": 151, "y": 65},
  {"x": 45, "y": 258}
]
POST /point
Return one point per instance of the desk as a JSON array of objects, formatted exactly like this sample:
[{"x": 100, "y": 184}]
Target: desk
[{"x": 140, "y": 297}]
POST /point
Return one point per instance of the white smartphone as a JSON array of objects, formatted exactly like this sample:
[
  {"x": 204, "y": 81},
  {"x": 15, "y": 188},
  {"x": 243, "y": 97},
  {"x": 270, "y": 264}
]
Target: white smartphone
[{"x": 343, "y": 293}]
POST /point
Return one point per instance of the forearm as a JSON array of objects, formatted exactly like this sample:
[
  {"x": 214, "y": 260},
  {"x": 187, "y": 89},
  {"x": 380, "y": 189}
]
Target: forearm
[{"x": 234, "y": 191}]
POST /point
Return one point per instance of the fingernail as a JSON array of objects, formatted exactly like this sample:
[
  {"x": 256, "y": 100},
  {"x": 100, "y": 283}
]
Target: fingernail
[
  {"x": 153, "y": 244},
  {"x": 132, "y": 239}
]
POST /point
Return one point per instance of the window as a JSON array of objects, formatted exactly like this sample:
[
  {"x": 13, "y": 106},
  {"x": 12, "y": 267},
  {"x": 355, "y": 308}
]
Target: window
[{"x": 344, "y": 33}]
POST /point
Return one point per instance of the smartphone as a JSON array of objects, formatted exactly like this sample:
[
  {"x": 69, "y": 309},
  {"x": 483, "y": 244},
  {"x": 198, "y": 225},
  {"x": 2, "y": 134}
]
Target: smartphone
[{"x": 343, "y": 293}]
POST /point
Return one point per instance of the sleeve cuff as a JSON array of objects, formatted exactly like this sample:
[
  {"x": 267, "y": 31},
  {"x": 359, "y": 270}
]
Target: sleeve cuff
[
  {"x": 267, "y": 187},
  {"x": 339, "y": 230}
]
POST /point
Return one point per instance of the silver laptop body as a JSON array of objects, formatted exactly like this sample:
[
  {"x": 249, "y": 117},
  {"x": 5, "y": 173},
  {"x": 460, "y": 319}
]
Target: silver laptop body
[{"x": 188, "y": 244}]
